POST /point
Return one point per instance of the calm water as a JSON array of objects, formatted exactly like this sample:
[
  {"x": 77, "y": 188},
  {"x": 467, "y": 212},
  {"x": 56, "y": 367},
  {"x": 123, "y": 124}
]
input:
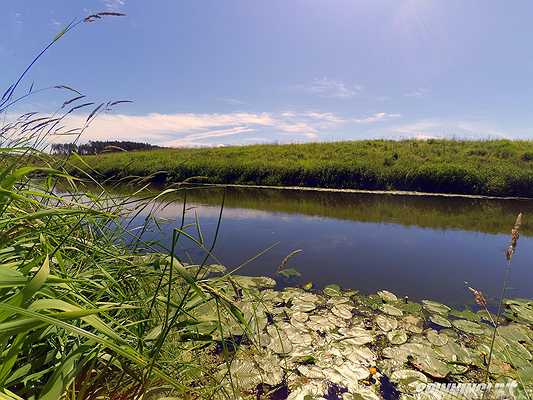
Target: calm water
[{"x": 421, "y": 247}]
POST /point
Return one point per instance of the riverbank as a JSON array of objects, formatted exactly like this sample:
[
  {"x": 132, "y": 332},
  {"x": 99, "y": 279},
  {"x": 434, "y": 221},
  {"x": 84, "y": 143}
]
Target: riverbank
[{"x": 490, "y": 168}]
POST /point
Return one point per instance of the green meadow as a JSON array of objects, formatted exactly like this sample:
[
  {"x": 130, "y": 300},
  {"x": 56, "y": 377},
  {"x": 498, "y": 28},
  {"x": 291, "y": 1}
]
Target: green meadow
[{"x": 498, "y": 168}]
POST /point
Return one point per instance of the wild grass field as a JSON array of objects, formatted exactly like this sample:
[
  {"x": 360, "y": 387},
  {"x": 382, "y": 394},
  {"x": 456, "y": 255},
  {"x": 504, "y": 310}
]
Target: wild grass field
[{"x": 499, "y": 167}]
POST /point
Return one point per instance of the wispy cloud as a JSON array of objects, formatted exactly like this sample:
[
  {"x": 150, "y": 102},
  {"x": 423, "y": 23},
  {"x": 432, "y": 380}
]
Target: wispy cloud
[
  {"x": 192, "y": 129},
  {"x": 330, "y": 88},
  {"x": 377, "y": 117},
  {"x": 420, "y": 92}
]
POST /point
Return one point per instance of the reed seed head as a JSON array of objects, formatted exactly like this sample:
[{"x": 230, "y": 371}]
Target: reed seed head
[
  {"x": 515, "y": 234},
  {"x": 478, "y": 297}
]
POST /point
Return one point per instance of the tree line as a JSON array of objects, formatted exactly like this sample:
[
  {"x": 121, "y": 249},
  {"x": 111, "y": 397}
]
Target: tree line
[{"x": 98, "y": 147}]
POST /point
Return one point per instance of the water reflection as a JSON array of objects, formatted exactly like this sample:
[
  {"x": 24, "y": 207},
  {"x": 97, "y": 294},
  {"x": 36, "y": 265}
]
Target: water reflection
[{"x": 421, "y": 247}]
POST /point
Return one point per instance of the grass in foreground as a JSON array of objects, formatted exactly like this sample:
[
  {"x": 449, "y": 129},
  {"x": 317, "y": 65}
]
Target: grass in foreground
[{"x": 500, "y": 168}]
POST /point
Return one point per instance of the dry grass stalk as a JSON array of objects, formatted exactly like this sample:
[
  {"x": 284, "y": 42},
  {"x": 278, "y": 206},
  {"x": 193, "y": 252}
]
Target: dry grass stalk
[{"x": 515, "y": 234}]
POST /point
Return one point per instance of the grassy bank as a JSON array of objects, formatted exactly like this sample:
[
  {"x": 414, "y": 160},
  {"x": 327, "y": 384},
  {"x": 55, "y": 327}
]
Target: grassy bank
[{"x": 501, "y": 168}]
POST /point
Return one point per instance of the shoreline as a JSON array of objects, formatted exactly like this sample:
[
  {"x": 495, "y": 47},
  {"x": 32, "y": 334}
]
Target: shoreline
[{"x": 363, "y": 191}]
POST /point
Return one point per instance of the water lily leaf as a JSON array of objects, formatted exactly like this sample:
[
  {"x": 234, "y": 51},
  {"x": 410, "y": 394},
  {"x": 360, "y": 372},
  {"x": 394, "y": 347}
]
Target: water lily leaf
[
  {"x": 356, "y": 336},
  {"x": 320, "y": 323},
  {"x": 391, "y": 310},
  {"x": 440, "y": 320},
  {"x": 361, "y": 393},
  {"x": 342, "y": 311},
  {"x": 359, "y": 355},
  {"x": 408, "y": 380},
  {"x": 435, "y": 338},
  {"x": 332, "y": 290},
  {"x": 434, "y": 307},
  {"x": 303, "y": 306},
  {"x": 385, "y": 323},
  {"x": 431, "y": 366},
  {"x": 387, "y": 296},
  {"x": 523, "y": 312},
  {"x": 468, "y": 326},
  {"x": 311, "y": 371},
  {"x": 279, "y": 341},
  {"x": 514, "y": 332},
  {"x": 299, "y": 317},
  {"x": 397, "y": 336},
  {"x": 466, "y": 314},
  {"x": 413, "y": 324}
]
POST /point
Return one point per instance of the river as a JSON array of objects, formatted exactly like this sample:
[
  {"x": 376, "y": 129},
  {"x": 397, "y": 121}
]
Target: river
[{"x": 417, "y": 246}]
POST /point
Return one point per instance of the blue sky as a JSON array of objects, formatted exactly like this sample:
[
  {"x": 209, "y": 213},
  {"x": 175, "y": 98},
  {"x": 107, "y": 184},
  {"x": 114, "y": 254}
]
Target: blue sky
[{"x": 240, "y": 71}]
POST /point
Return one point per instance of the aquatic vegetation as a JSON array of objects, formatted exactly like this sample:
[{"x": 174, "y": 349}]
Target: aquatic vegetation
[{"x": 342, "y": 342}]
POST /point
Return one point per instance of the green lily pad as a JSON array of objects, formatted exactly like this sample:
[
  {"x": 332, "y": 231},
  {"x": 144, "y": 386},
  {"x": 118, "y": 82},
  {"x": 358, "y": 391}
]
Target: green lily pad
[
  {"x": 434, "y": 307},
  {"x": 397, "y": 336},
  {"x": 440, "y": 320},
  {"x": 391, "y": 310},
  {"x": 387, "y": 296},
  {"x": 408, "y": 380},
  {"x": 435, "y": 338},
  {"x": 466, "y": 314},
  {"x": 332, "y": 290},
  {"x": 431, "y": 366},
  {"x": 468, "y": 326},
  {"x": 514, "y": 332},
  {"x": 361, "y": 393}
]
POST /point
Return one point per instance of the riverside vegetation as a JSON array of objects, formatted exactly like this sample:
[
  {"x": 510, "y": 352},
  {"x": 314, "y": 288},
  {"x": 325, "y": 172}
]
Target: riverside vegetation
[
  {"x": 88, "y": 311},
  {"x": 498, "y": 167}
]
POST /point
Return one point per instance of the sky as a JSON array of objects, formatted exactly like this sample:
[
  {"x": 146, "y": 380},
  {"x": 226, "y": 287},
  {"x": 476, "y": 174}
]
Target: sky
[{"x": 226, "y": 72}]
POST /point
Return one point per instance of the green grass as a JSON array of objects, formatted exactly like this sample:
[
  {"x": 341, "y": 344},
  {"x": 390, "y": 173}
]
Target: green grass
[
  {"x": 499, "y": 168},
  {"x": 86, "y": 312}
]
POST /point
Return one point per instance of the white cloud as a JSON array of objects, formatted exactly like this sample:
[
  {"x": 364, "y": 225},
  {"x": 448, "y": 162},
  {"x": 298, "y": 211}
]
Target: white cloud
[
  {"x": 330, "y": 88},
  {"x": 377, "y": 117},
  {"x": 195, "y": 129}
]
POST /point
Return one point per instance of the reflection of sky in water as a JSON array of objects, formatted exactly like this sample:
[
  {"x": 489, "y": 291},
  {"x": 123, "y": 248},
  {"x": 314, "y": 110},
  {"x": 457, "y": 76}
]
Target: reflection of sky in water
[{"x": 408, "y": 260}]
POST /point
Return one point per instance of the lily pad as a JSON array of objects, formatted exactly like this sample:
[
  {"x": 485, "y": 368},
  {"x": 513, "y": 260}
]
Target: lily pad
[
  {"x": 413, "y": 324},
  {"x": 466, "y": 314},
  {"x": 435, "y": 338},
  {"x": 342, "y": 311},
  {"x": 387, "y": 296},
  {"x": 311, "y": 371},
  {"x": 435, "y": 307},
  {"x": 440, "y": 320},
  {"x": 431, "y": 366},
  {"x": 332, "y": 290},
  {"x": 391, "y": 310},
  {"x": 356, "y": 335},
  {"x": 386, "y": 324},
  {"x": 397, "y": 336},
  {"x": 408, "y": 380},
  {"x": 468, "y": 326},
  {"x": 361, "y": 393}
]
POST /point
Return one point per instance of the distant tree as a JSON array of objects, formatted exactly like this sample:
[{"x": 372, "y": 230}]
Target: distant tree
[{"x": 98, "y": 147}]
